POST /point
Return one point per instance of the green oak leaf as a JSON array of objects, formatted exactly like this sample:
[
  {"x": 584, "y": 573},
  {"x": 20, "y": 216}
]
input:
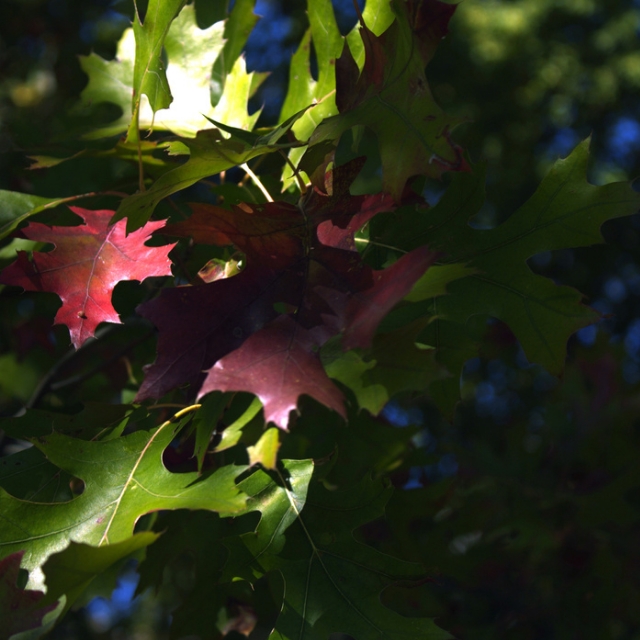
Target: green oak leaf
[
  {"x": 395, "y": 363},
  {"x": 378, "y": 17},
  {"x": 191, "y": 52},
  {"x": 233, "y": 433},
  {"x": 123, "y": 478},
  {"x": 210, "y": 152},
  {"x": 96, "y": 421},
  {"x": 365, "y": 445},
  {"x": 280, "y": 506},
  {"x": 303, "y": 89},
  {"x": 231, "y": 109},
  {"x": 565, "y": 211},
  {"x": 435, "y": 280},
  {"x": 265, "y": 451},
  {"x": 454, "y": 344},
  {"x": 205, "y": 423},
  {"x": 237, "y": 29},
  {"x": 110, "y": 81},
  {"x": 196, "y": 535},
  {"x": 183, "y": 89},
  {"x": 149, "y": 74},
  {"x": 28, "y": 474},
  {"x": 332, "y": 583},
  {"x": 17, "y": 207},
  {"x": 391, "y": 96},
  {"x": 72, "y": 570}
]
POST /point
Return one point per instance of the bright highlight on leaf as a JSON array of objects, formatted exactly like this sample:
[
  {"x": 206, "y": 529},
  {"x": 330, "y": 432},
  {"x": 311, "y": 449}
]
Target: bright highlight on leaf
[{"x": 123, "y": 479}]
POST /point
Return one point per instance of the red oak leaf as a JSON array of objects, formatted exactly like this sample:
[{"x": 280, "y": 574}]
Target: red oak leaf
[
  {"x": 198, "y": 325},
  {"x": 277, "y": 232},
  {"x": 278, "y": 364},
  {"x": 85, "y": 266},
  {"x": 20, "y": 610},
  {"x": 303, "y": 284},
  {"x": 357, "y": 316}
]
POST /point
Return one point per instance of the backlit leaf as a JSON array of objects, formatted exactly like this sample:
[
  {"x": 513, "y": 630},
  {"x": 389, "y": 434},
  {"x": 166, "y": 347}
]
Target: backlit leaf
[
  {"x": 315, "y": 291},
  {"x": 303, "y": 89},
  {"x": 209, "y": 153},
  {"x": 391, "y": 97},
  {"x": 123, "y": 479},
  {"x": 149, "y": 73},
  {"x": 86, "y": 264}
]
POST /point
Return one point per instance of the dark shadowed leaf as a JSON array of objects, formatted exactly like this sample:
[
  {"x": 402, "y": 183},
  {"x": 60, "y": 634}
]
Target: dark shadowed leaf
[
  {"x": 332, "y": 583},
  {"x": 20, "y": 610},
  {"x": 279, "y": 506},
  {"x": 290, "y": 272},
  {"x": 565, "y": 211},
  {"x": 72, "y": 570},
  {"x": 391, "y": 96}
]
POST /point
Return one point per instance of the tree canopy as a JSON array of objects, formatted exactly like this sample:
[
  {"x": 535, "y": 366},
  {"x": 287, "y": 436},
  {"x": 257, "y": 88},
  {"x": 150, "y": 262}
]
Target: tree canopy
[{"x": 310, "y": 370}]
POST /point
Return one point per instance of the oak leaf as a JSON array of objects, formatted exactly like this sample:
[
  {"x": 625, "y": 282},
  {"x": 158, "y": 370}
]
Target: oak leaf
[
  {"x": 391, "y": 96},
  {"x": 85, "y": 266},
  {"x": 260, "y": 330}
]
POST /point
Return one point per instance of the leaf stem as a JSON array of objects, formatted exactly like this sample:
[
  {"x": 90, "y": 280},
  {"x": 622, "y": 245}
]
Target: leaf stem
[
  {"x": 296, "y": 173},
  {"x": 168, "y": 405},
  {"x": 378, "y": 244},
  {"x": 179, "y": 414},
  {"x": 257, "y": 181}
]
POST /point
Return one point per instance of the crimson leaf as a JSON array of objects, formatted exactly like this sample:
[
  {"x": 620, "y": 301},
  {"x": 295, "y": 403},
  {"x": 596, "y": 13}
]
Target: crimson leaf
[
  {"x": 85, "y": 266},
  {"x": 311, "y": 290}
]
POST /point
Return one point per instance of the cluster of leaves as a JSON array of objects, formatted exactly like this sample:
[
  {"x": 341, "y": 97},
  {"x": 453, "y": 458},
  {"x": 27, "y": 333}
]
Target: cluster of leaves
[{"x": 349, "y": 289}]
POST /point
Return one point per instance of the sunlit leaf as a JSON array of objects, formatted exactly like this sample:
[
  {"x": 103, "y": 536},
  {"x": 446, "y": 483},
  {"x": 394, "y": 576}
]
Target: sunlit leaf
[
  {"x": 122, "y": 479},
  {"x": 17, "y": 207},
  {"x": 85, "y": 266},
  {"x": 149, "y": 73}
]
